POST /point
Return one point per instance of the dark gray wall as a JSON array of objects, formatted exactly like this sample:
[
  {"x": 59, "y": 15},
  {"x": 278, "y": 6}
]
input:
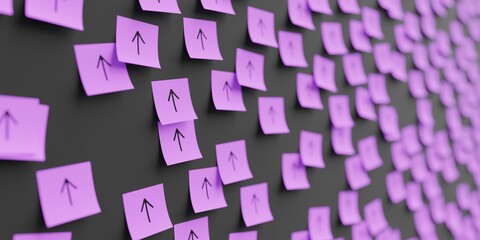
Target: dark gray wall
[{"x": 118, "y": 134}]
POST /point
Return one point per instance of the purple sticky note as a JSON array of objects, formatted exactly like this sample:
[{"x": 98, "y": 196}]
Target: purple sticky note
[
  {"x": 437, "y": 209},
  {"x": 456, "y": 32},
  {"x": 442, "y": 144},
  {"x": 423, "y": 7},
  {"x": 443, "y": 43},
  {"x": 339, "y": 110},
  {"x": 364, "y": 105},
  {"x": 201, "y": 39},
  {"x": 137, "y": 42},
  {"x": 67, "y": 193},
  {"x": 400, "y": 159},
  {"x": 399, "y": 63},
  {"x": 193, "y": 229},
  {"x": 300, "y": 14},
  {"x": 294, "y": 173},
  {"x": 360, "y": 232},
  {"x": 377, "y": 87},
  {"x": 395, "y": 187},
  {"x": 226, "y": 92},
  {"x": 232, "y": 162},
  {"x": 381, "y": 55},
  {"x": 324, "y": 73},
  {"x": 99, "y": 69},
  {"x": 426, "y": 134},
  {"x": 348, "y": 207},
  {"x": 374, "y": 216},
  {"x": 368, "y": 152},
  {"x": 432, "y": 80},
  {"x": 255, "y": 204},
  {"x": 249, "y": 69},
  {"x": 146, "y": 211},
  {"x": 410, "y": 142},
  {"x": 358, "y": 37},
  {"x": 357, "y": 177},
  {"x": 431, "y": 187},
  {"x": 394, "y": 8},
  {"x": 320, "y": 6},
  {"x": 332, "y": 38},
  {"x": 371, "y": 20},
  {"x": 308, "y": 93},
  {"x": 206, "y": 190},
  {"x": 420, "y": 56},
  {"x": 423, "y": 224},
  {"x": 353, "y": 69},
  {"x": 450, "y": 171},
  {"x": 6, "y": 7},
  {"x": 428, "y": 25},
  {"x": 271, "y": 114},
  {"x": 403, "y": 43},
  {"x": 425, "y": 112},
  {"x": 179, "y": 142},
  {"x": 419, "y": 170},
  {"x": 412, "y": 26},
  {"x": 414, "y": 196},
  {"x": 437, "y": 59},
  {"x": 172, "y": 101},
  {"x": 300, "y": 235},
  {"x": 349, "y": 6},
  {"x": 446, "y": 93},
  {"x": 311, "y": 149},
  {"x": 165, "y": 6},
  {"x": 388, "y": 121},
  {"x": 290, "y": 45},
  {"x": 342, "y": 141},
  {"x": 464, "y": 196},
  {"x": 319, "y": 226},
  {"x": 416, "y": 84},
  {"x": 223, "y": 6},
  {"x": 261, "y": 27},
  {"x": 435, "y": 163},
  {"x": 43, "y": 236},
  {"x": 63, "y": 13},
  {"x": 250, "y": 235}
]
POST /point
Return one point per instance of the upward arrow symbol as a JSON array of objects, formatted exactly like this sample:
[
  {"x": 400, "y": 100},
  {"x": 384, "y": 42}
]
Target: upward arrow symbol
[
  {"x": 232, "y": 158},
  {"x": 7, "y": 118},
  {"x": 139, "y": 38},
  {"x": 272, "y": 113},
  {"x": 171, "y": 96},
  {"x": 250, "y": 68},
  {"x": 145, "y": 206},
  {"x": 192, "y": 235},
  {"x": 201, "y": 35},
  {"x": 66, "y": 185},
  {"x": 226, "y": 88},
  {"x": 177, "y": 136},
  {"x": 205, "y": 185},
  {"x": 255, "y": 201},
  {"x": 102, "y": 61},
  {"x": 261, "y": 25}
]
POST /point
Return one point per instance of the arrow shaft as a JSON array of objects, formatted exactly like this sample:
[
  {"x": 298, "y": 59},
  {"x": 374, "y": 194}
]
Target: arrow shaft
[
  {"x": 104, "y": 70},
  {"x": 255, "y": 205},
  {"x": 69, "y": 195},
  {"x": 174, "y": 104},
  {"x": 233, "y": 165},
  {"x": 206, "y": 190},
  {"x": 228, "y": 97},
  {"x": 56, "y": 5},
  {"x": 180, "y": 144},
  {"x": 148, "y": 214},
  {"x": 250, "y": 72},
  {"x": 201, "y": 40},
  {"x": 138, "y": 46},
  {"x": 7, "y": 128}
]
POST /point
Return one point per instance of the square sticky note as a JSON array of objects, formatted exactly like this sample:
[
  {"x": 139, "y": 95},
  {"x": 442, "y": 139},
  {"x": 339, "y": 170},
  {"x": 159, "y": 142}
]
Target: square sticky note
[
  {"x": 353, "y": 69},
  {"x": 193, "y": 229},
  {"x": 224, "y": 6},
  {"x": 290, "y": 45},
  {"x": 232, "y": 162},
  {"x": 206, "y": 189},
  {"x": 271, "y": 114},
  {"x": 249, "y": 69},
  {"x": 368, "y": 151},
  {"x": 294, "y": 173},
  {"x": 201, "y": 39},
  {"x": 300, "y": 14},
  {"x": 261, "y": 27},
  {"x": 319, "y": 226},
  {"x": 339, "y": 109},
  {"x": 179, "y": 142},
  {"x": 357, "y": 177},
  {"x": 332, "y": 38},
  {"x": 311, "y": 145},
  {"x": 164, "y": 6},
  {"x": 308, "y": 94},
  {"x": 226, "y": 92},
  {"x": 324, "y": 73},
  {"x": 348, "y": 208},
  {"x": 63, "y": 13},
  {"x": 255, "y": 204}
]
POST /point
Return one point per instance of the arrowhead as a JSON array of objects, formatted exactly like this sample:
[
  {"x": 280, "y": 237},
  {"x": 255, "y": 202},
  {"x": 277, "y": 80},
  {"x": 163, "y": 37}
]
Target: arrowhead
[
  {"x": 138, "y": 36},
  {"x": 192, "y": 235},
  {"x": 201, "y": 34},
  {"x": 260, "y": 23},
  {"x": 232, "y": 156},
  {"x": 271, "y": 110},
  {"x": 226, "y": 86},
  {"x": 205, "y": 183},
  {"x": 145, "y": 204},
  {"x": 255, "y": 198},
  {"x": 102, "y": 61},
  {"x": 177, "y": 134},
  {"x": 250, "y": 65},
  {"x": 172, "y": 95},
  {"x": 66, "y": 184},
  {"x": 7, "y": 117}
]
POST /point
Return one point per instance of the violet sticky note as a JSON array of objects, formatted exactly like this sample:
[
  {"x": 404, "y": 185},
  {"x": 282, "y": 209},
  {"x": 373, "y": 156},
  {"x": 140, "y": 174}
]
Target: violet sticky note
[
  {"x": 222, "y": 6},
  {"x": 437, "y": 209},
  {"x": 464, "y": 196},
  {"x": 300, "y": 235},
  {"x": 358, "y": 37},
  {"x": 371, "y": 20},
  {"x": 382, "y": 57},
  {"x": 400, "y": 159},
  {"x": 179, "y": 142},
  {"x": 67, "y": 193},
  {"x": 349, "y": 6},
  {"x": 399, "y": 71},
  {"x": 377, "y": 87},
  {"x": 99, "y": 69},
  {"x": 324, "y": 73},
  {"x": 232, "y": 162},
  {"x": 250, "y": 235},
  {"x": 300, "y": 14},
  {"x": 414, "y": 198},
  {"x": 374, "y": 216},
  {"x": 43, "y": 236},
  {"x": 357, "y": 177},
  {"x": 428, "y": 26},
  {"x": 425, "y": 112},
  {"x": 423, "y": 7},
  {"x": 255, "y": 204},
  {"x": 172, "y": 101},
  {"x": 227, "y": 92},
  {"x": 164, "y": 6},
  {"x": 339, "y": 110},
  {"x": 332, "y": 38},
  {"x": 137, "y": 42},
  {"x": 308, "y": 93},
  {"x": 320, "y": 6},
  {"x": 146, "y": 211},
  {"x": 261, "y": 27},
  {"x": 410, "y": 142},
  {"x": 412, "y": 26},
  {"x": 206, "y": 189},
  {"x": 271, "y": 114},
  {"x": 193, "y": 229},
  {"x": 201, "y": 39},
  {"x": 420, "y": 56},
  {"x": 63, "y": 13},
  {"x": 360, "y": 231},
  {"x": 342, "y": 141},
  {"x": 388, "y": 121},
  {"x": 290, "y": 45},
  {"x": 249, "y": 69},
  {"x": 6, "y": 7},
  {"x": 403, "y": 43},
  {"x": 364, "y": 105},
  {"x": 311, "y": 149},
  {"x": 395, "y": 187},
  {"x": 368, "y": 152},
  {"x": 353, "y": 69},
  {"x": 431, "y": 187},
  {"x": 348, "y": 208},
  {"x": 456, "y": 32},
  {"x": 319, "y": 226},
  {"x": 416, "y": 84},
  {"x": 432, "y": 80},
  {"x": 294, "y": 173}
]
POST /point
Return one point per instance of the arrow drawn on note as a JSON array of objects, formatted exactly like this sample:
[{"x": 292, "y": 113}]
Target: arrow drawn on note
[{"x": 66, "y": 185}]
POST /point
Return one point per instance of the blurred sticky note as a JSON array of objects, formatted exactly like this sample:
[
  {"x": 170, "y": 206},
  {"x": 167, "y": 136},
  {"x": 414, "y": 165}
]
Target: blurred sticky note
[
  {"x": 255, "y": 204},
  {"x": 395, "y": 187},
  {"x": 342, "y": 141},
  {"x": 271, "y": 114},
  {"x": 357, "y": 177},
  {"x": 173, "y": 102},
  {"x": 67, "y": 193},
  {"x": 374, "y": 216},
  {"x": 193, "y": 229},
  {"x": 223, "y": 6},
  {"x": 290, "y": 45},
  {"x": 300, "y": 235},
  {"x": 320, "y": 6},
  {"x": 324, "y": 73},
  {"x": 353, "y": 69},
  {"x": 371, "y": 20},
  {"x": 420, "y": 56},
  {"x": 377, "y": 87},
  {"x": 206, "y": 189},
  {"x": 43, "y": 236},
  {"x": 360, "y": 231},
  {"x": 250, "y": 235},
  {"x": 164, "y": 6},
  {"x": 400, "y": 159},
  {"x": 201, "y": 39},
  {"x": 368, "y": 152},
  {"x": 339, "y": 110},
  {"x": 332, "y": 38},
  {"x": 403, "y": 43},
  {"x": 179, "y": 142},
  {"x": 146, "y": 211},
  {"x": 410, "y": 142},
  {"x": 300, "y": 14},
  {"x": 348, "y": 208},
  {"x": 381, "y": 55},
  {"x": 412, "y": 26},
  {"x": 99, "y": 69},
  {"x": 423, "y": 7},
  {"x": 308, "y": 93},
  {"x": 428, "y": 26},
  {"x": 6, "y": 7},
  {"x": 63, "y": 13},
  {"x": 358, "y": 37},
  {"x": 232, "y": 162},
  {"x": 294, "y": 173},
  {"x": 249, "y": 69},
  {"x": 416, "y": 84},
  {"x": 311, "y": 145},
  {"x": 419, "y": 170},
  {"x": 432, "y": 79},
  {"x": 349, "y": 6},
  {"x": 388, "y": 121},
  {"x": 137, "y": 42},
  {"x": 364, "y": 105},
  {"x": 319, "y": 226},
  {"x": 414, "y": 198},
  {"x": 261, "y": 27},
  {"x": 226, "y": 92}
]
